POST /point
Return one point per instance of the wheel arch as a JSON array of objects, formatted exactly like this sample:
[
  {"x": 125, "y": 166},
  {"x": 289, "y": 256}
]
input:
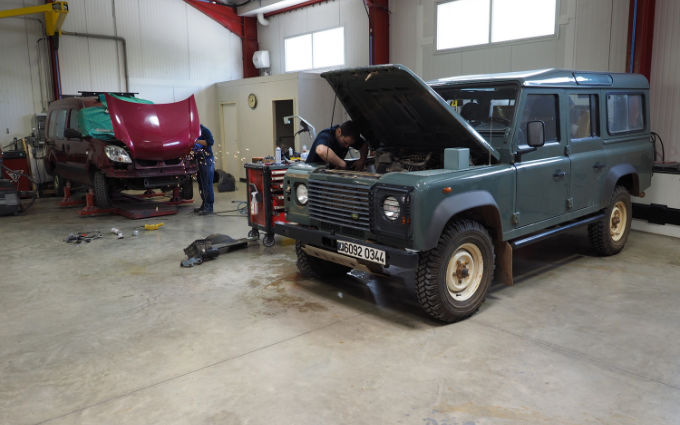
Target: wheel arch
[
  {"x": 475, "y": 205},
  {"x": 620, "y": 175}
]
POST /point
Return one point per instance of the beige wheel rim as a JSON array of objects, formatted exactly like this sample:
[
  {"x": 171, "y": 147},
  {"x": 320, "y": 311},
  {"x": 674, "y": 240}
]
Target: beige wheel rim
[
  {"x": 618, "y": 221},
  {"x": 464, "y": 272}
]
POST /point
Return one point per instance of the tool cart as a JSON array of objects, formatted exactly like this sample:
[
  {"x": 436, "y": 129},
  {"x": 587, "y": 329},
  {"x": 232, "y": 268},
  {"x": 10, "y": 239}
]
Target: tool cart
[{"x": 265, "y": 199}]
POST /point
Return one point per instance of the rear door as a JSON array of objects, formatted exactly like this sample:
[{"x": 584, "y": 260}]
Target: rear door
[
  {"x": 543, "y": 175},
  {"x": 587, "y": 155}
]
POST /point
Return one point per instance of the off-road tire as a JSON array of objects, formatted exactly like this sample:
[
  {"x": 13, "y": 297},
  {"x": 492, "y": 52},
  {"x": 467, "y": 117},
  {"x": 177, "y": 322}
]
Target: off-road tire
[
  {"x": 186, "y": 189},
  {"x": 316, "y": 267},
  {"x": 463, "y": 242},
  {"x": 102, "y": 191},
  {"x": 609, "y": 235},
  {"x": 59, "y": 184}
]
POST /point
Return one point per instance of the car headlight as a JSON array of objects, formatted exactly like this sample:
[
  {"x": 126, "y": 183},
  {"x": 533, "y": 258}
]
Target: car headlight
[
  {"x": 301, "y": 194},
  {"x": 117, "y": 154},
  {"x": 391, "y": 208}
]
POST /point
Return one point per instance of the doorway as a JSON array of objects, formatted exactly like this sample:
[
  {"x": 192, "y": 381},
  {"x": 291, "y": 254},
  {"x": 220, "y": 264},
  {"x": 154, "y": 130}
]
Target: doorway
[{"x": 284, "y": 136}]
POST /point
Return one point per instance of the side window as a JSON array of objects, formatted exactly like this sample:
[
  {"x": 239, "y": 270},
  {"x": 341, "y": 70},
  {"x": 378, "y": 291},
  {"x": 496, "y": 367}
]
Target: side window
[
  {"x": 540, "y": 107},
  {"x": 625, "y": 113},
  {"x": 73, "y": 119},
  {"x": 59, "y": 123},
  {"x": 583, "y": 116}
]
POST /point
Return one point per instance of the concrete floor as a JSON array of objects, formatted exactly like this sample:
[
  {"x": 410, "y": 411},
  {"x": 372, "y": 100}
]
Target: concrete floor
[{"x": 115, "y": 332}]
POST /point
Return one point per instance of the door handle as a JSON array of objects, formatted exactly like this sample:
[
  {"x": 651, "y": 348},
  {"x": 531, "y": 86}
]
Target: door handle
[
  {"x": 599, "y": 165},
  {"x": 559, "y": 174}
]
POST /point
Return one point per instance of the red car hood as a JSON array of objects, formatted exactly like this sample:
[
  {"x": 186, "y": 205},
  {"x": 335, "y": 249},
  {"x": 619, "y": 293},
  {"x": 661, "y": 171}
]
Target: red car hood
[{"x": 155, "y": 132}]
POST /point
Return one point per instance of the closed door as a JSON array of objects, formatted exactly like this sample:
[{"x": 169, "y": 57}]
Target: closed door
[{"x": 230, "y": 154}]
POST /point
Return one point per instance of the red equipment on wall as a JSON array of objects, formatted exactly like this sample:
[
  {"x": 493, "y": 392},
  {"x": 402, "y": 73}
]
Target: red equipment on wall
[
  {"x": 265, "y": 199},
  {"x": 17, "y": 161}
]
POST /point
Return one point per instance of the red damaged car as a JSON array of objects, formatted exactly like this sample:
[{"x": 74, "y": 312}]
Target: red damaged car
[{"x": 116, "y": 142}]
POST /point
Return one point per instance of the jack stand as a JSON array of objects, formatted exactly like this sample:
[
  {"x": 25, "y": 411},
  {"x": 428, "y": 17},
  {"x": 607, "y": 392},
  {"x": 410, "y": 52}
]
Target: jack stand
[
  {"x": 176, "y": 200},
  {"x": 90, "y": 208},
  {"x": 68, "y": 201}
]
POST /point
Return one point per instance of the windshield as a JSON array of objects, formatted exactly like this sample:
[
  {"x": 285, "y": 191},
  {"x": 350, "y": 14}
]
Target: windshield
[{"x": 489, "y": 109}]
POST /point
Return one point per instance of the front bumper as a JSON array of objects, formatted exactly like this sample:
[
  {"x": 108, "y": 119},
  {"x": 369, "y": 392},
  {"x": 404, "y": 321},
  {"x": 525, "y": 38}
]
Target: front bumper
[{"x": 328, "y": 241}]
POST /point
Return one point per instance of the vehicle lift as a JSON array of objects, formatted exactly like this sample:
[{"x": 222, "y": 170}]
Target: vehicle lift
[{"x": 133, "y": 207}]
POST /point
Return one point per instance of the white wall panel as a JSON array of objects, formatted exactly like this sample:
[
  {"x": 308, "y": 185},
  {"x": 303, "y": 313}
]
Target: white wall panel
[
  {"x": 665, "y": 78},
  {"x": 591, "y": 35}
]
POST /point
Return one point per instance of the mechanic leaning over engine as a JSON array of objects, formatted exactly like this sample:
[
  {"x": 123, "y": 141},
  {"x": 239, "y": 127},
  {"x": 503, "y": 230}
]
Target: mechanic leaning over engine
[{"x": 332, "y": 144}]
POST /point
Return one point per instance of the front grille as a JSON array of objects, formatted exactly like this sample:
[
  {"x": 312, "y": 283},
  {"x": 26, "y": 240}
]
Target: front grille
[{"x": 340, "y": 204}]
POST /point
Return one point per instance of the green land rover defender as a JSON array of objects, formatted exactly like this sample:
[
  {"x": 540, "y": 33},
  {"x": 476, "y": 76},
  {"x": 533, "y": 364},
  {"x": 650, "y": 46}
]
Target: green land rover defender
[{"x": 465, "y": 170}]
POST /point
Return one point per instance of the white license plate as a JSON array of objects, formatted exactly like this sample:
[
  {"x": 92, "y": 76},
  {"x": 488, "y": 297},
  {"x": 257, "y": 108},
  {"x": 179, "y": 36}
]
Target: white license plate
[{"x": 360, "y": 251}]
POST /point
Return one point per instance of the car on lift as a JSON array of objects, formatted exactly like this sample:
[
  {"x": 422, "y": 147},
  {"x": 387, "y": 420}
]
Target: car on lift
[
  {"x": 115, "y": 141},
  {"x": 468, "y": 169}
]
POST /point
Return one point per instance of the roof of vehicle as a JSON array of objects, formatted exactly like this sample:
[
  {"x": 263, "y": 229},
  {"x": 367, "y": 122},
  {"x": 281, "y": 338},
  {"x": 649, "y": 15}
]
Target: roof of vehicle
[{"x": 553, "y": 77}]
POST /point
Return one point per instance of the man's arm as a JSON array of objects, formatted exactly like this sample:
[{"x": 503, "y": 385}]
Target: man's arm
[
  {"x": 363, "y": 150},
  {"x": 327, "y": 154}
]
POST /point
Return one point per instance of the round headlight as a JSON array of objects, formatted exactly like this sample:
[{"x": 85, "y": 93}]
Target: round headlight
[
  {"x": 391, "y": 208},
  {"x": 301, "y": 194}
]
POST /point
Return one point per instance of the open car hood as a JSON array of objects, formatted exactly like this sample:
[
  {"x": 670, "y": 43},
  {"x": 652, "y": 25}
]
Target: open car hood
[
  {"x": 155, "y": 132},
  {"x": 393, "y": 107}
]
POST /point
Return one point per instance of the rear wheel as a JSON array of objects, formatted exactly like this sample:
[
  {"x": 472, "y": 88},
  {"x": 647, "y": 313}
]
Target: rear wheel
[
  {"x": 609, "y": 235},
  {"x": 452, "y": 279},
  {"x": 310, "y": 266},
  {"x": 102, "y": 191}
]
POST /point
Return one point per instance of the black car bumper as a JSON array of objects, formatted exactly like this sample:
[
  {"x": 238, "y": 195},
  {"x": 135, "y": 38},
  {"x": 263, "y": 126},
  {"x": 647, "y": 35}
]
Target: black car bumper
[{"x": 321, "y": 239}]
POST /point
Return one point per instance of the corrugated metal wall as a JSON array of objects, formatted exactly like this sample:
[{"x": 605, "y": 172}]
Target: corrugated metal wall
[
  {"x": 22, "y": 57},
  {"x": 665, "y": 76},
  {"x": 173, "y": 50}
]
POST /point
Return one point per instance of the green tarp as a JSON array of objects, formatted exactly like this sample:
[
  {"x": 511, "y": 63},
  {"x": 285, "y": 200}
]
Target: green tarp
[{"x": 96, "y": 122}]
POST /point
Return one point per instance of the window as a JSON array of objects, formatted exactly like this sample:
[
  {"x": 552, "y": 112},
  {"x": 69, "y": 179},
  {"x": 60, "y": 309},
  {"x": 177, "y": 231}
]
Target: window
[
  {"x": 73, "y": 119},
  {"x": 624, "y": 113},
  {"x": 321, "y": 49},
  {"x": 489, "y": 109},
  {"x": 57, "y": 124},
  {"x": 540, "y": 107},
  {"x": 583, "y": 116},
  {"x": 462, "y": 23}
]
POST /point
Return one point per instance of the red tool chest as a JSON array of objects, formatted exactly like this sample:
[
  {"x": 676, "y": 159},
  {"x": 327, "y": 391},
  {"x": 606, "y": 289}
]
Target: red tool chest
[{"x": 265, "y": 198}]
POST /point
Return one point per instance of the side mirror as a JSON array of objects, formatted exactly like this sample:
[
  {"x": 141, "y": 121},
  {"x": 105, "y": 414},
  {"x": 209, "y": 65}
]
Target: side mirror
[
  {"x": 535, "y": 134},
  {"x": 71, "y": 133}
]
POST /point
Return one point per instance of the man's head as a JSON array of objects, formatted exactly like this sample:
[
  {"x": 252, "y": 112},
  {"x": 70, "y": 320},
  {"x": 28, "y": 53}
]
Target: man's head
[{"x": 347, "y": 134}]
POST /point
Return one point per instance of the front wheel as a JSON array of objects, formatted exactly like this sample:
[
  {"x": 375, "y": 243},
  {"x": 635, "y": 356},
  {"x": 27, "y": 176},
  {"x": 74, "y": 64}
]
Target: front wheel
[
  {"x": 609, "y": 235},
  {"x": 453, "y": 278},
  {"x": 102, "y": 191},
  {"x": 187, "y": 189}
]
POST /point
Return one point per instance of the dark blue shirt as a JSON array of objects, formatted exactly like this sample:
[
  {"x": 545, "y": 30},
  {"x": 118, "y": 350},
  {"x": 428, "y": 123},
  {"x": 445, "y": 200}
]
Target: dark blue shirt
[{"x": 327, "y": 138}]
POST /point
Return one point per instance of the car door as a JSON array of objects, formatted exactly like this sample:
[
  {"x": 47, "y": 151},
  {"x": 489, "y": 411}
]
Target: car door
[
  {"x": 544, "y": 173},
  {"x": 588, "y": 162},
  {"x": 77, "y": 150}
]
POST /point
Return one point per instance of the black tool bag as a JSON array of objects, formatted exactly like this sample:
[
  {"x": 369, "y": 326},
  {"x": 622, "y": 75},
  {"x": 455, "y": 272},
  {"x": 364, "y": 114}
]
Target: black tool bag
[{"x": 9, "y": 198}]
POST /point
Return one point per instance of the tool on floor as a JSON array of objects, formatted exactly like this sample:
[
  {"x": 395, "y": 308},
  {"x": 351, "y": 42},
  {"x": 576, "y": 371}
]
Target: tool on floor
[
  {"x": 210, "y": 248},
  {"x": 76, "y": 238},
  {"x": 153, "y": 226}
]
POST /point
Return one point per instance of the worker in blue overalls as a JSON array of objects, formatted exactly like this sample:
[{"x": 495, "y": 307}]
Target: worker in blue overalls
[
  {"x": 332, "y": 144},
  {"x": 206, "y": 170}
]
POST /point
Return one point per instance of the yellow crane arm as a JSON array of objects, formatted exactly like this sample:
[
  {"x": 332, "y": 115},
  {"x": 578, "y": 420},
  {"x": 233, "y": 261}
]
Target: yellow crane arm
[{"x": 55, "y": 13}]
